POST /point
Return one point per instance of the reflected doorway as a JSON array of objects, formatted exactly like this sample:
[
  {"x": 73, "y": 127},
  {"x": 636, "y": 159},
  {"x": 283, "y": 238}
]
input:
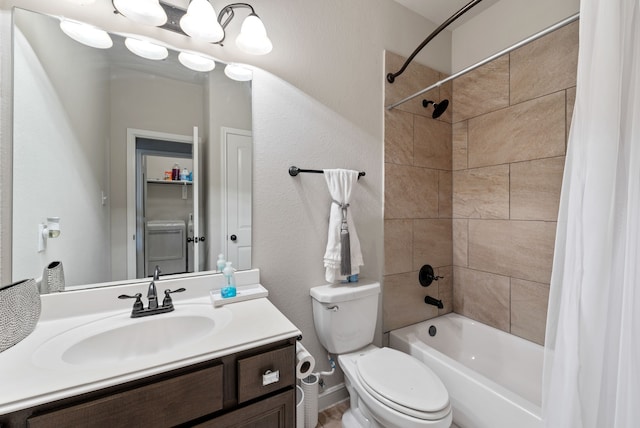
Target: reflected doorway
[{"x": 162, "y": 204}]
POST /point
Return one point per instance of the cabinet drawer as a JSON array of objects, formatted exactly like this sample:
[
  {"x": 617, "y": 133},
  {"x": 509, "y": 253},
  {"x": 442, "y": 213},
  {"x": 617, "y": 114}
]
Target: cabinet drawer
[
  {"x": 165, "y": 403},
  {"x": 251, "y": 380}
]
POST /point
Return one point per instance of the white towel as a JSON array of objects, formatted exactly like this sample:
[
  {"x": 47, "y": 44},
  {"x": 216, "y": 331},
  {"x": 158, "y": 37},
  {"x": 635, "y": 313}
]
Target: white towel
[{"x": 340, "y": 183}]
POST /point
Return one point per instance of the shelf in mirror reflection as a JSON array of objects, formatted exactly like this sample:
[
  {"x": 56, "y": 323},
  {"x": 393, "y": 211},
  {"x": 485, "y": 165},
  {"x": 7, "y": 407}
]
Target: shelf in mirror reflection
[{"x": 159, "y": 181}]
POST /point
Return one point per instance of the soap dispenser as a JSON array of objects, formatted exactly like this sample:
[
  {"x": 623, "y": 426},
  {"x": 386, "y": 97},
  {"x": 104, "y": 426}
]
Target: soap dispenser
[
  {"x": 229, "y": 289},
  {"x": 220, "y": 264}
]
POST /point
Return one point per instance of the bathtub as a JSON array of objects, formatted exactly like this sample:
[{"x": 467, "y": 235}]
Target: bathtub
[{"x": 493, "y": 378}]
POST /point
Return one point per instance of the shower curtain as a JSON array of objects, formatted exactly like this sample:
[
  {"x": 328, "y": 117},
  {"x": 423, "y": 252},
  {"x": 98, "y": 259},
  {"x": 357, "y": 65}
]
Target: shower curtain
[{"x": 592, "y": 354}]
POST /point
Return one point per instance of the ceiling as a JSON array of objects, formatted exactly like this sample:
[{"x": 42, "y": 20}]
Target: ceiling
[{"x": 438, "y": 11}]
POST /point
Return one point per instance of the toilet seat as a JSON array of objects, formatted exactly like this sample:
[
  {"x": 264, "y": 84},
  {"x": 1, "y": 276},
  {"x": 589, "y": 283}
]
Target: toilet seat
[{"x": 403, "y": 383}]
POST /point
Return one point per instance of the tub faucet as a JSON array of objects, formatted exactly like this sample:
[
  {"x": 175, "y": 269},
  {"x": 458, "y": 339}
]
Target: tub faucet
[{"x": 435, "y": 302}]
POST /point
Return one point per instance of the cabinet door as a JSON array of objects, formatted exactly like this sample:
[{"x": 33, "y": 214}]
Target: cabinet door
[
  {"x": 277, "y": 411},
  {"x": 165, "y": 403}
]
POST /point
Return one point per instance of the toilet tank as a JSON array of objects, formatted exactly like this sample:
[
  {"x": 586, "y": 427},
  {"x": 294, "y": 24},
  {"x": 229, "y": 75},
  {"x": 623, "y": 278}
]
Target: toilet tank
[{"x": 345, "y": 315}]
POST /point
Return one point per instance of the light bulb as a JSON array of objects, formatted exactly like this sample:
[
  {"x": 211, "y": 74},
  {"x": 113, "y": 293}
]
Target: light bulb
[
  {"x": 200, "y": 22},
  {"x": 147, "y": 12},
  {"x": 238, "y": 72},
  {"x": 82, "y": 2},
  {"x": 196, "y": 62},
  {"x": 253, "y": 37},
  {"x": 146, "y": 49},
  {"x": 86, "y": 34}
]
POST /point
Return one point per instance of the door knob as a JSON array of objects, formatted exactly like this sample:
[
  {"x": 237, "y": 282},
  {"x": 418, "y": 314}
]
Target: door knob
[{"x": 234, "y": 238}]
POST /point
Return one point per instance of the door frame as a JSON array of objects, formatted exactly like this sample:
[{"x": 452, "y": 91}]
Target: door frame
[{"x": 132, "y": 135}]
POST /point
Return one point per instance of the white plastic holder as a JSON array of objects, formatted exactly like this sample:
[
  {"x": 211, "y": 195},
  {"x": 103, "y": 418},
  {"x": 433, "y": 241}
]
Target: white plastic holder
[
  {"x": 299, "y": 407},
  {"x": 310, "y": 389},
  {"x": 244, "y": 292}
]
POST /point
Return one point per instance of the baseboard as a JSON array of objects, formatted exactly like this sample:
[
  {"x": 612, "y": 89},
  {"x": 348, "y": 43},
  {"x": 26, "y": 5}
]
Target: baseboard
[{"x": 331, "y": 396}]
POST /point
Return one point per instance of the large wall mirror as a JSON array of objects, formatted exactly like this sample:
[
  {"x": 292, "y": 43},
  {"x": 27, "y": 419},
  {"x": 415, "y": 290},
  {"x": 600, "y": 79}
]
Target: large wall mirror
[{"x": 98, "y": 135}]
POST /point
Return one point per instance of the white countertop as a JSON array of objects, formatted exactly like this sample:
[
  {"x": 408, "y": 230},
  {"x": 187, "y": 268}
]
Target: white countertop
[{"x": 26, "y": 382}]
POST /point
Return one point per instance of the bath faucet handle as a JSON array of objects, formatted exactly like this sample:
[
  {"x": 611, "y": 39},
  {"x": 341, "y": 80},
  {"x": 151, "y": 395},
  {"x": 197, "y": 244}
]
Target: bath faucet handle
[
  {"x": 427, "y": 276},
  {"x": 167, "y": 296},
  {"x": 137, "y": 305}
]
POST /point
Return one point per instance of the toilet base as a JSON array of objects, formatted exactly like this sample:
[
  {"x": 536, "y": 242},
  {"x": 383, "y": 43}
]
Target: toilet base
[
  {"x": 350, "y": 420},
  {"x": 364, "y": 414}
]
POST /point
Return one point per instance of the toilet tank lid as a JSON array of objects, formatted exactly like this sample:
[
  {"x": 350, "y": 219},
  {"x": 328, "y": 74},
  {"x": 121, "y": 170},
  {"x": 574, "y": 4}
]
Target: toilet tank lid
[{"x": 332, "y": 293}]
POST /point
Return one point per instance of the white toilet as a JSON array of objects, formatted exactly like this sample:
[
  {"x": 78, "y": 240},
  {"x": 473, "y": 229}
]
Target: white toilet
[{"x": 387, "y": 388}]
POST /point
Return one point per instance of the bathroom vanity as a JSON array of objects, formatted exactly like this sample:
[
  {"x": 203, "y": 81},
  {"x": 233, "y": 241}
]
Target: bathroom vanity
[{"x": 199, "y": 365}]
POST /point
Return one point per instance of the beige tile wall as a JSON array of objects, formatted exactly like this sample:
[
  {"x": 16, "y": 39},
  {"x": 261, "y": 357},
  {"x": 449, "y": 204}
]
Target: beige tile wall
[
  {"x": 508, "y": 160},
  {"x": 475, "y": 193},
  {"x": 418, "y": 198}
]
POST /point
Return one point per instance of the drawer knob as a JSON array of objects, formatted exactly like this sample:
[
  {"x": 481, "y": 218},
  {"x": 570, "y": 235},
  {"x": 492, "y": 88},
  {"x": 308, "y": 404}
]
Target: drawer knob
[{"x": 270, "y": 377}]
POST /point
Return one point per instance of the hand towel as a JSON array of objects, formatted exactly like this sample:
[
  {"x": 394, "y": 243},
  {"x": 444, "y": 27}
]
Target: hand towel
[{"x": 343, "y": 245}]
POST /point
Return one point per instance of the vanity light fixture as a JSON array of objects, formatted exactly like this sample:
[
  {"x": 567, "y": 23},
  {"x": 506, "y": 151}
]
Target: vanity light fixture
[
  {"x": 253, "y": 36},
  {"x": 86, "y": 34},
  {"x": 196, "y": 62},
  {"x": 238, "y": 72},
  {"x": 200, "y": 22},
  {"x": 49, "y": 230},
  {"x": 148, "y": 12},
  {"x": 146, "y": 49}
]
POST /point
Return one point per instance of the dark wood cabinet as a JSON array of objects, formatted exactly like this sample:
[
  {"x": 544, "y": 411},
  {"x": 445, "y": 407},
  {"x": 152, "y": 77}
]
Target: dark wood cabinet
[
  {"x": 277, "y": 411},
  {"x": 168, "y": 402},
  {"x": 229, "y": 391}
]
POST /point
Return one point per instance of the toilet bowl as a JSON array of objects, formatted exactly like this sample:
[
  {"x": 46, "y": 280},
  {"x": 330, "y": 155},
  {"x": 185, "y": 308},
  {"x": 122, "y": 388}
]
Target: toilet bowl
[
  {"x": 387, "y": 388},
  {"x": 393, "y": 389}
]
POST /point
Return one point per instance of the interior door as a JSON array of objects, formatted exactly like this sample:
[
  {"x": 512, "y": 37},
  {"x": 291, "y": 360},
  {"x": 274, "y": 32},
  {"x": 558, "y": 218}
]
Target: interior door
[{"x": 239, "y": 161}]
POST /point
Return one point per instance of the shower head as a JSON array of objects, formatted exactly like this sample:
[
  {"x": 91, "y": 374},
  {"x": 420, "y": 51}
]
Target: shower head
[{"x": 438, "y": 109}]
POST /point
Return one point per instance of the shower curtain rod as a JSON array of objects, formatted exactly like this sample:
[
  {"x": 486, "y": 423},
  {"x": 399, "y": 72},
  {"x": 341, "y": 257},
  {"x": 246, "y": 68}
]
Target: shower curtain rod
[
  {"x": 391, "y": 77},
  {"x": 489, "y": 59}
]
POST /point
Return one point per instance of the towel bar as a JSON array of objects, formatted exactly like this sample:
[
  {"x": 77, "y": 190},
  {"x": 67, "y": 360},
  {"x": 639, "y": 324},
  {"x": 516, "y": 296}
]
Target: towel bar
[{"x": 294, "y": 170}]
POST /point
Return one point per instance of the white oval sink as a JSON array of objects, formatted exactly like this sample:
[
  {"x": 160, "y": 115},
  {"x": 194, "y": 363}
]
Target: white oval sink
[
  {"x": 120, "y": 338},
  {"x": 138, "y": 340}
]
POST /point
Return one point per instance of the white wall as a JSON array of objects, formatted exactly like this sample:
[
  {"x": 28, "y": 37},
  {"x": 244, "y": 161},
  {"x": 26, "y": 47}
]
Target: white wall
[
  {"x": 504, "y": 24},
  {"x": 58, "y": 126}
]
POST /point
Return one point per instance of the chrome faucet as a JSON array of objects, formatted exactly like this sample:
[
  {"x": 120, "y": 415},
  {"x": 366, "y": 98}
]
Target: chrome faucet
[{"x": 152, "y": 294}]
